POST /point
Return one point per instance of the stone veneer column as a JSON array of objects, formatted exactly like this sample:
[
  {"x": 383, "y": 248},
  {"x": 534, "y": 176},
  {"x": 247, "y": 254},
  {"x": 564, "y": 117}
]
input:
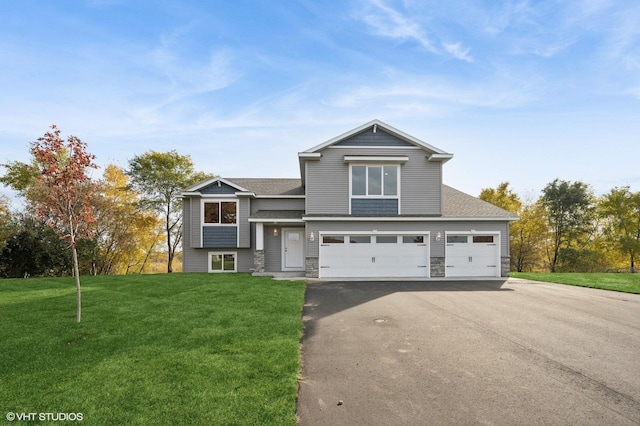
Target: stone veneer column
[
  {"x": 311, "y": 267},
  {"x": 505, "y": 266},
  {"x": 258, "y": 261},
  {"x": 437, "y": 267}
]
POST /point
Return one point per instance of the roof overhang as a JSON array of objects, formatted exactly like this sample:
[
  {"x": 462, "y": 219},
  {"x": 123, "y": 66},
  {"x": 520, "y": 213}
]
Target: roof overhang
[
  {"x": 405, "y": 219},
  {"x": 193, "y": 189},
  {"x": 395, "y": 159}
]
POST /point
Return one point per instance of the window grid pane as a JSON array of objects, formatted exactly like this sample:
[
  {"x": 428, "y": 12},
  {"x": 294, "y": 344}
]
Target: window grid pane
[
  {"x": 228, "y": 212},
  {"x": 354, "y": 239},
  {"x": 229, "y": 262},
  {"x": 211, "y": 213},
  {"x": 216, "y": 262},
  {"x": 412, "y": 239},
  {"x": 359, "y": 180},
  {"x": 390, "y": 180},
  {"x": 375, "y": 180}
]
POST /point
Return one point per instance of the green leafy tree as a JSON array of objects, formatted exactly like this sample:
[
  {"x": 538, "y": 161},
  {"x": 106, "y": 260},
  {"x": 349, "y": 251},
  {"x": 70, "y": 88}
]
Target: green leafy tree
[
  {"x": 528, "y": 237},
  {"x": 620, "y": 210},
  {"x": 33, "y": 249},
  {"x": 503, "y": 197},
  {"x": 568, "y": 209},
  {"x": 158, "y": 177}
]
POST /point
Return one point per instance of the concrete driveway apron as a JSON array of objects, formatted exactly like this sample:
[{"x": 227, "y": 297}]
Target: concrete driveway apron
[{"x": 494, "y": 352}]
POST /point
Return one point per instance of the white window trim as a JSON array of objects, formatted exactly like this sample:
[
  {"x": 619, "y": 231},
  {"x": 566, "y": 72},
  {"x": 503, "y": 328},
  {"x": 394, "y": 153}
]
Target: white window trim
[
  {"x": 219, "y": 200},
  {"x": 222, "y": 253},
  {"x": 373, "y": 197}
]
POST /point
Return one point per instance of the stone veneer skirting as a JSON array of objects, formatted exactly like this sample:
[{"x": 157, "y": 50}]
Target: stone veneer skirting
[
  {"x": 505, "y": 266},
  {"x": 311, "y": 267}
]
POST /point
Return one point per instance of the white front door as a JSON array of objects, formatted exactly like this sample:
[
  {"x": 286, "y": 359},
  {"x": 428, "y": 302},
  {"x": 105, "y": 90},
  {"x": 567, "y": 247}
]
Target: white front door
[{"x": 293, "y": 249}]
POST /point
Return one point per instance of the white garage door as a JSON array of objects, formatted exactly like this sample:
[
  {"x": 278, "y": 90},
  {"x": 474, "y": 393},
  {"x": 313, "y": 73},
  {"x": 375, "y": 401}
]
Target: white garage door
[
  {"x": 472, "y": 255},
  {"x": 374, "y": 256}
]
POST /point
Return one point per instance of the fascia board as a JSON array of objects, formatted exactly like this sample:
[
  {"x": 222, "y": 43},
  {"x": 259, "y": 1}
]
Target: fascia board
[{"x": 405, "y": 219}]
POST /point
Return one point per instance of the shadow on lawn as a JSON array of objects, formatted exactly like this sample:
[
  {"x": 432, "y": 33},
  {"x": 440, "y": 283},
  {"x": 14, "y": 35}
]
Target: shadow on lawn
[{"x": 327, "y": 298}]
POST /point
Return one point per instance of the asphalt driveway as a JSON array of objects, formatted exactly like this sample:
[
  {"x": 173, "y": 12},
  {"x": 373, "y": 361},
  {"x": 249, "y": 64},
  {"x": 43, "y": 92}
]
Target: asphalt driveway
[{"x": 495, "y": 352}]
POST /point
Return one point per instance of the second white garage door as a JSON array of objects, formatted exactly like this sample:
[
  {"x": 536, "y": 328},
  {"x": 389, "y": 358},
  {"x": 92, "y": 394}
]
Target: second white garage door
[
  {"x": 472, "y": 255},
  {"x": 371, "y": 256}
]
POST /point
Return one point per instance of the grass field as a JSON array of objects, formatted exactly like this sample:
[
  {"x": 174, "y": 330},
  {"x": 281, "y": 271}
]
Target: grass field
[
  {"x": 628, "y": 283},
  {"x": 153, "y": 349}
]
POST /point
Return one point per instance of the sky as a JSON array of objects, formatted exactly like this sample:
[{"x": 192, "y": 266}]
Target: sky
[{"x": 519, "y": 91}]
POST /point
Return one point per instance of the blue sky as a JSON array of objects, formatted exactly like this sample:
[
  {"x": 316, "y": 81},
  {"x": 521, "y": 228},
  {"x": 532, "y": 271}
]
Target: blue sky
[{"x": 524, "y": 91}]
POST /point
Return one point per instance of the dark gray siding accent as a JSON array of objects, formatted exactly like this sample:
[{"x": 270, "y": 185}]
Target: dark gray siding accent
[
  {"x": 219, "y": 236},
  {"x": 436, "y": 248},
  {"x": 244, "y": 206},
  {"x": 277, "y": 204},
  {"x": 327, "y": 181},
  {"x": 272, "y": 250},
  {"x": 193, "y": 225},
  {"x": 215, "y": 189},
  {"x": 375, "y": 206},
  {"x": 368, "y": 138}
]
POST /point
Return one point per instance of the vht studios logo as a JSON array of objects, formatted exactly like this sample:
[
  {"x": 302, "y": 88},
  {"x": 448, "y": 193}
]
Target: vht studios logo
[{"x": 45, "y": 417}]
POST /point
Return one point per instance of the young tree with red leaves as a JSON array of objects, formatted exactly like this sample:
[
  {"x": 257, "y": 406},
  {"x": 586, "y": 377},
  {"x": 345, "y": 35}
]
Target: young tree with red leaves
[{"x": 65, "y": 191}]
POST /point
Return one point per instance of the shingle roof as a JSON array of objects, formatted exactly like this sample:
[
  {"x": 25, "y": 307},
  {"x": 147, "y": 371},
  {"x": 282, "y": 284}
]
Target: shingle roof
[
  {"x": 454, "y": 203},
  {"x": 270, "y": 186},
  {"x": 458, "y": 204}
]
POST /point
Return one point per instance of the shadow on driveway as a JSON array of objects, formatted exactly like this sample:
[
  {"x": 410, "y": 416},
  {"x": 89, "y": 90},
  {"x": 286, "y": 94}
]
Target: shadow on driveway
[{"x": 326, "y": 298}]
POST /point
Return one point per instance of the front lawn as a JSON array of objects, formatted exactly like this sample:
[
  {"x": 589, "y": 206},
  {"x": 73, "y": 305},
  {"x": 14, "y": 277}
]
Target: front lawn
[
  {"x": 628, "y": 283},
  {"x": 153, "y": 349}
]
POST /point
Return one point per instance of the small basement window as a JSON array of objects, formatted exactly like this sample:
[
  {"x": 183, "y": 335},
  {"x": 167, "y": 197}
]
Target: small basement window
[{"x": 222, "y": 262}]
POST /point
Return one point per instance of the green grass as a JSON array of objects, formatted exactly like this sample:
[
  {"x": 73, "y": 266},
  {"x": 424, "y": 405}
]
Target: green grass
[
  {"x": 628, "y": 283},
  {"x": 153, "y": 349}
]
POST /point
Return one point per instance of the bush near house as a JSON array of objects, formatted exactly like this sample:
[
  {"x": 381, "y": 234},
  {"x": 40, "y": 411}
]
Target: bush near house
[{"x": 153, "y": 349}]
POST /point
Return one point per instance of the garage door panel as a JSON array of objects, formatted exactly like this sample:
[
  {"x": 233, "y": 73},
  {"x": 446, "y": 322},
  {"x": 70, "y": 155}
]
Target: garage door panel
[{"x": 371, "y": 260}]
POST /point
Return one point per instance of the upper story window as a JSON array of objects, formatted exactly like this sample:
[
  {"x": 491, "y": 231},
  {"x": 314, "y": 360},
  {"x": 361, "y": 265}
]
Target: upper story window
[
  {"x": 374, "y": 181},
  {"x": 220, "y": 212}
]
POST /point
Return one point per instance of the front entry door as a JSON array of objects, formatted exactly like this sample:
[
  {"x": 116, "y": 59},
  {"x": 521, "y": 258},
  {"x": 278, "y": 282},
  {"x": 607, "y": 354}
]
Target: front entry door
[{"x": 293, "y": 249}]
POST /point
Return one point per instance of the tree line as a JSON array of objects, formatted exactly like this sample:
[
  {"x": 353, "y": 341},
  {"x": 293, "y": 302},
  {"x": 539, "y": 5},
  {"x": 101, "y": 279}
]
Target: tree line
[
  {"x": 119, "y": 223},
  {"x": 568, "y": 229}
]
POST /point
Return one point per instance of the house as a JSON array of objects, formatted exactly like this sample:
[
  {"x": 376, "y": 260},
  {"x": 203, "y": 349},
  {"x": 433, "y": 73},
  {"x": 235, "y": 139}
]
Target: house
[{"x": 370, "y": 203}]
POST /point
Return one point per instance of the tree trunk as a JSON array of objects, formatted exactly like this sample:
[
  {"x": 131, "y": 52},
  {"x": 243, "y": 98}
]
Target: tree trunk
[{"x": 76, "y": 274}]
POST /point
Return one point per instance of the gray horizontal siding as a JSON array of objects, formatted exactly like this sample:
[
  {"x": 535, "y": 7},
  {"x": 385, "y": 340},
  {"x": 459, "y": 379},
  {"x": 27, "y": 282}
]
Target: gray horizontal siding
[
  {"x": 244, "y": 235},
  {"x": 277, "y": 204},
  {"x": 375, "y": 206},
  {"x": 436, "y": 247},
  {"x": 368, "y": 138},
  {"x": 327, "y": 181},
  {"x": 219, "y": 236},
  {"x": 191, "y": 222},
  {"x": 272, "y": 250}
]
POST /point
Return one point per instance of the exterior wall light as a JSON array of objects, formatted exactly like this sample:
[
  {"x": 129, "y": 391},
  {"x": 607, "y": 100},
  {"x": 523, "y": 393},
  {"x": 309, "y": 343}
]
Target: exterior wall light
[
  {"x": 312, "y": 236},
  {"x": 275, "y": 232}
]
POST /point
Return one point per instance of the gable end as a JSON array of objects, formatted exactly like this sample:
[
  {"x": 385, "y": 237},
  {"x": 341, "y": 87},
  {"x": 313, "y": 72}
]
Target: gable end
[
  {"x": 378, "y": 139},
  {"x": 218, "y": 187}
]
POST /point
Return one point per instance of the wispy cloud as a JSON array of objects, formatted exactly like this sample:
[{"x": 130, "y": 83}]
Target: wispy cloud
[{"x": 389, "y": 22}]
